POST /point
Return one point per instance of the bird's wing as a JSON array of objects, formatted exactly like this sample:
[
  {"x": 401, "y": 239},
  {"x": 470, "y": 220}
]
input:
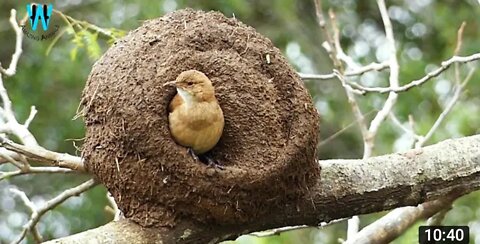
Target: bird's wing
[{"x": 175, "y": 103}]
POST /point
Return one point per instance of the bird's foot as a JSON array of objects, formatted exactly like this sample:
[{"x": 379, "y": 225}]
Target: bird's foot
[
  {"x": 206, "y": 160},
  {"x": 192, "y": 153},
  {"x": 214, "y": 163}
]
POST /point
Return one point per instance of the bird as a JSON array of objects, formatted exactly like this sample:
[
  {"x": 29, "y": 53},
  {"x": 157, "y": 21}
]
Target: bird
[{"x": 195, "y": 117}]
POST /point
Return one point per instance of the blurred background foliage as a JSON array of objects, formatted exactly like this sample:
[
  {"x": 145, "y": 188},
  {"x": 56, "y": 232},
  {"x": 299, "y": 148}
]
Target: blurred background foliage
[{"x": 52, "y": 73}]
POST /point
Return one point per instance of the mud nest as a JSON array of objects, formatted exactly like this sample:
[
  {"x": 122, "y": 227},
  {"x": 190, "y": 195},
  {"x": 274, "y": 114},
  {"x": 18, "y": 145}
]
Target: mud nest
[{"x": 267, "y": 146}]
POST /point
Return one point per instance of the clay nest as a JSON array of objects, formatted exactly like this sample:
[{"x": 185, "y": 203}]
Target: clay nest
[{"x": 267, "y": 146}]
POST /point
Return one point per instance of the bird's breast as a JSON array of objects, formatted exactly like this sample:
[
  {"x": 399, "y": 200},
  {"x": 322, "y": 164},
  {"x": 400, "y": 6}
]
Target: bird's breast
[{"x": 198, "y": 125}]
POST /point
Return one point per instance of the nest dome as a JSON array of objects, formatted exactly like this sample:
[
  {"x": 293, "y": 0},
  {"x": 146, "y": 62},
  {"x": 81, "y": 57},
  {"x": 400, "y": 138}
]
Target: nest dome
[{"x": 267, "y": 146}]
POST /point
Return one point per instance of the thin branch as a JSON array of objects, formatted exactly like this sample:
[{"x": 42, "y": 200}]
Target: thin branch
[
  {"x": 357, "y": 72},
  {"x": 51, "y": 204},
  {"x": 444, "y": 66},
  {"x": 448, "y": 108},
  {"x": 458, "y": 47},
  {"x": 438, "y": 217},
  {"x": 393, "y": 80},
  {"x": 18, "y": 45},
  {"x": 329, "y": 42},
  {"x": 10, "y": 154},
  {"x": 348, "y": 88},
  {"x": 383, "y": 231},
  {"x": 459, "y": 38},
  {"x": 33, "y": 209},
  {"x": 327, "y": 140},
  {"x": 33, "y": 112},
  {"x": 349, "y": 91},
  {"x": 409, "y": 131},
  {"x": 278, "y": 231},
  {"x": 43, "y": 155},
  {"x": 6, "y": 156},
  {"x": 35, "y": 170}
]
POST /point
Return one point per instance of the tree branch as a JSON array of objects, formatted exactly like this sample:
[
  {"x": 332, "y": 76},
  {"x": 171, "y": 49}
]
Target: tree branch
[
  {"x": 356, "y": 72},
  {"x": 38, "y": 212},
  {"x": 345, "y": 188},
  {"x": 383, "y": 231},
  {"x": 18, "y": 45},
  {"x": 443, "y": 66},
  {"x": 11, "y": 151},
  {"x": 43, "y": 155}
]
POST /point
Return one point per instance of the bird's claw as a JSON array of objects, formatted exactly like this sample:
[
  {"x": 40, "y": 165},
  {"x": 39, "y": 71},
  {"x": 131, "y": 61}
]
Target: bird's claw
[
  {"x": 206, "y": 160},
  {"x": 213, "y": 163},
  {"x": 192, "y": 153}
]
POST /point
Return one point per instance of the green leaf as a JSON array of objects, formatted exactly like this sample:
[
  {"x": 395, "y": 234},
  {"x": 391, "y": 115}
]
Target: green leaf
[{"x": 93, "y": 48}]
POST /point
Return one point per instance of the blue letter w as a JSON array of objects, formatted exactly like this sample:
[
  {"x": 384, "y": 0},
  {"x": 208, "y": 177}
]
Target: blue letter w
[{"x": 39, "y": 12}]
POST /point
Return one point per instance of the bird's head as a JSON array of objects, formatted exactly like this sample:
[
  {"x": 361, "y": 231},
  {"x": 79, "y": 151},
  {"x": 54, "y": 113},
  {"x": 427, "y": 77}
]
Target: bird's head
[{"x": 193, "y": 84}]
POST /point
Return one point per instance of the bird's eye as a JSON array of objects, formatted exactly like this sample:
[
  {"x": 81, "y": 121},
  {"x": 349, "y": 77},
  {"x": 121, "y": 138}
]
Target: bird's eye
[{"x": 190, "y": 83}]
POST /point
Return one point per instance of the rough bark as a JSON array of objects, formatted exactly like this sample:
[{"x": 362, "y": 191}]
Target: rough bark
[{"x": 345, "y": 188}]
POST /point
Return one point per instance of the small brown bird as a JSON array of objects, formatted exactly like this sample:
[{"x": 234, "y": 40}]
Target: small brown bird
[{"x": 195, "y": 117}]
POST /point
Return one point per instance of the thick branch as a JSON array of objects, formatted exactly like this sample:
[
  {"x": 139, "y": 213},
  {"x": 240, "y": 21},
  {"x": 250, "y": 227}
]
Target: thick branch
[{"x": 345, "y": 188}]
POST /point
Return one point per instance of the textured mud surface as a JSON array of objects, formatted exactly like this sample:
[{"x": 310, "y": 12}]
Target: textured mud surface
[{"x": 271, "y": 126}]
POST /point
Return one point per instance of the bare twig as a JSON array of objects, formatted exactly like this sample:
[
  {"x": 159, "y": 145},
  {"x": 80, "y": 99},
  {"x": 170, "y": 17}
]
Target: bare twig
[
  {"x": 438, "y": 217},
  {"x": 36, "y": 235},
  {"x": 383, "y": 231},
  {"x": 459, "y": 38},
  {"x": 10, "y": 159},
  {"x": 350, "y": 92},
  {"x": 33, "y": 112},
  {"x": 327, "y": 140},
  {"x": 342, "y": 80},
  {"x": 43, "y": 155},
  {"x": 446, "y": 111},
  {"x": 393, "y": 80},
  {"x": 409, "y": 131},
  {"x": 278, "y": 231},
  {"x": 35, "y": 170},
  {"x": 329, "y": 42},
  {"x": 458, "y": 47},
  {"x": 18, "y": 45},
  {"x": 38, "y": 212},
  {"x": 359, "y": 71},
  {"x": 444, "y": 66}
]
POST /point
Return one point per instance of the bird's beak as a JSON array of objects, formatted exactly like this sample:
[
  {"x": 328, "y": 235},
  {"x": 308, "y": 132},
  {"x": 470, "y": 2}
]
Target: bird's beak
[{"x": 170, "y": 83}]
